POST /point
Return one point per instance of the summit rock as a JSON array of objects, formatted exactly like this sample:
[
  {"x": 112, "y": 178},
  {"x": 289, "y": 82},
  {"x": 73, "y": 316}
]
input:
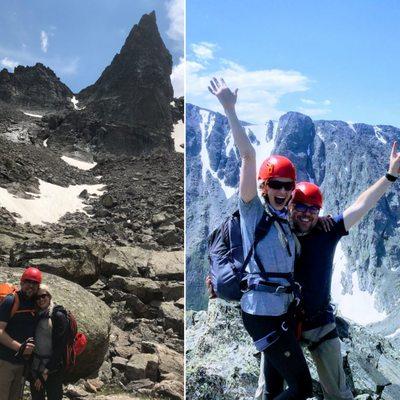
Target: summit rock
[{"x": 135, "y": 89}]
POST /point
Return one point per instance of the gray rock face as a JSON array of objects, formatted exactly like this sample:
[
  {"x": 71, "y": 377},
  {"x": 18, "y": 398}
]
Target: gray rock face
[
  {"x": 34, "y": 88},
  {"x": 135, "y": 89},
  {"x": 92, "y": 315}
]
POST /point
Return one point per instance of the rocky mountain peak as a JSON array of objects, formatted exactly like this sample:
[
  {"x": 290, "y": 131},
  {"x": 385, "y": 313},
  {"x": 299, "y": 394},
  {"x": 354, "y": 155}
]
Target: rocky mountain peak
[
  {"x": 295, "y": 140},
  {"x": 135, "y": 89},
  {"x": 34, "y": 87}
]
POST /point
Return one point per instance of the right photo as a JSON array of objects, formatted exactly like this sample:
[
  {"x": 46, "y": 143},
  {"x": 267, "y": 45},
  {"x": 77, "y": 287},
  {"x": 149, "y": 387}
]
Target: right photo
[{"x": 292, "y": 200}]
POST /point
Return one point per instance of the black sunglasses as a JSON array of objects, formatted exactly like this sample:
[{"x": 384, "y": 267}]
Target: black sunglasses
[
  {"x": 303, "y": 208},
  {"x": 30, "y": 282},
  {"x": 42, "y": 296},
  {"x": 279, "y": 185}
]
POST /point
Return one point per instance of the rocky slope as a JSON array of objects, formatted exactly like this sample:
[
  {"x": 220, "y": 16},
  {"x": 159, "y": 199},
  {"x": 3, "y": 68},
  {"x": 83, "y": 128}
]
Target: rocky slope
[
  {"x": 97, "y": 200},
  {"x": 222, "y": 362},
  {"x": 342, "y": 158}
]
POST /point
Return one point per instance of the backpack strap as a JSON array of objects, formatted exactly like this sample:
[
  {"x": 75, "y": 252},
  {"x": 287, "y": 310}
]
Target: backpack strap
[
  {"x": 261, "y": 231},
  {"x": 15, "y": 309},
  {"x": 15, "y": 305}
]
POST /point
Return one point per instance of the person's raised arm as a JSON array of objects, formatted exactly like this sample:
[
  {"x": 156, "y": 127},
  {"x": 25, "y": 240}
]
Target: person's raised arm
[
  {"x": 371, "y": 196},
  {"x": 248, "y": 173}
]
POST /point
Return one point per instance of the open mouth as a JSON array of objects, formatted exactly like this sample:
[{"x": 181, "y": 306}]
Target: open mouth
[
  {"x": 280, "y": 200},
  {"x": 305, "y": 219}
]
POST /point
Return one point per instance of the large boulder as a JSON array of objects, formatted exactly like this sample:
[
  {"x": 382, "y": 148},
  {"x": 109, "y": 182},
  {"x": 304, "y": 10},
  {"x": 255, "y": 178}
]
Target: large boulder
[{"x": 92, "y": 315}]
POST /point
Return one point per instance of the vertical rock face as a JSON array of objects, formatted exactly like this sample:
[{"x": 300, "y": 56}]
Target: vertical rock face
[
  {"x": 135, "y": 89},
  {"x": 294, "y": 139},
  {"x": 36, "y": 88}
]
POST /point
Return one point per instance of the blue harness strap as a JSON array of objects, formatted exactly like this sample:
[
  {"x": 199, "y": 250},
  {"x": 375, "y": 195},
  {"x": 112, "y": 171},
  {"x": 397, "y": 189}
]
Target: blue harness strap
[{"x": 266, "y": 341}]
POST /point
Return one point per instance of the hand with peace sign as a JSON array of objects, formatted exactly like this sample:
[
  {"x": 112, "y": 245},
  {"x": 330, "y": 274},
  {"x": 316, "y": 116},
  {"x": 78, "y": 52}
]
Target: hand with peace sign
[{"x": 226, "y": 97}]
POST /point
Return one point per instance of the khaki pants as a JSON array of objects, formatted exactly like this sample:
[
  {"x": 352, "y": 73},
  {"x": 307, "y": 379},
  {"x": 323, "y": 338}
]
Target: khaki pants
[
  {"x": 10, "y": 380},
  {"x": 329, "y": 363}
]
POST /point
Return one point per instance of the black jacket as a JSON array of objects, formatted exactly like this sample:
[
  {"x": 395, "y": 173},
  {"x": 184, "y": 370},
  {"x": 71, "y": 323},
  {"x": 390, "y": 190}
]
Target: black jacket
[{"x": 59, "y": 338}]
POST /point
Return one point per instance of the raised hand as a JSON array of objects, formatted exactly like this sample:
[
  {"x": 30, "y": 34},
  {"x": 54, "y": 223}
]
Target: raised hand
[
  {"x": 394, "y": 163},
  {"x": 226, "y": 97}
]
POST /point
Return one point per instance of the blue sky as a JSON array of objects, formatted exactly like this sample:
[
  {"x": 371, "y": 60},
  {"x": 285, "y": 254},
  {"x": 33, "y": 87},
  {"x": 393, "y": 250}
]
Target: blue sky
[
  {"x": 328, "y": 59},
  {"x": 78, "y": 39}
]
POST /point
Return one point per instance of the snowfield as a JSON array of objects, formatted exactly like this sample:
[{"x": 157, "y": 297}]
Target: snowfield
[{"x": 50, "y": 205}]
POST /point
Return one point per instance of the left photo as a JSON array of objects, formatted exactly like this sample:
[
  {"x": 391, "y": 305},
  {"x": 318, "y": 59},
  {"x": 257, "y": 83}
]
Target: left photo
[{"x": 91, "y": 200}]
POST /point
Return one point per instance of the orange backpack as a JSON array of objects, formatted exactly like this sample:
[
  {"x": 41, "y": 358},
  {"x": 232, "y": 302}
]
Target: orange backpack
[{"x": 9, "y": 289}]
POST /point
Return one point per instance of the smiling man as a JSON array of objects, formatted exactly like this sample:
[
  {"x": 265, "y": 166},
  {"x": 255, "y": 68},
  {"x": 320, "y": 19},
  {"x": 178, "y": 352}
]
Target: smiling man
[
  {"x": 314, "y": 272},
  {"x": 17, "y": 325}
]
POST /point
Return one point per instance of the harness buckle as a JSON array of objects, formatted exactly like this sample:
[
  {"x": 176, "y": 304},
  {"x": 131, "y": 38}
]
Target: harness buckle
[{"x": 280, "y": 289}]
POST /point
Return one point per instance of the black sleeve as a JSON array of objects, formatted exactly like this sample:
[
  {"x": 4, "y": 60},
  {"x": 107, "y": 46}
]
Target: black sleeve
[
  {"x": 60, "y": 332},
  {"x": 339, "y": 228},
  {"x": 5, "y": 308}
]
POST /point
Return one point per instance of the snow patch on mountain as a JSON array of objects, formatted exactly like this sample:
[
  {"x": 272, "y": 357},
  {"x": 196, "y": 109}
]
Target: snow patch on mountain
[
  {"x": 50, "y": 205},
  {"x": 178, "y": 135},
  {"x": 78, "y": 163},
  {"x": 206, "y": 125},
  {"x": 75, "y": 102},
  {"x": 378, "y": 134},
  {"x": 359, "y": 306},
  {"x": 264, "y": 148},
  {"x": 33, "y": 115}
]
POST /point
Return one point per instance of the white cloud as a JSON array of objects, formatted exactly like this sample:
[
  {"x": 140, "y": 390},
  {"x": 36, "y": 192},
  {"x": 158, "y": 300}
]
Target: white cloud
[
  {"x": 314, "y": 112},
  {"x": 326, "y": 102},
  {"x": 308, "y": 101},
  {"x": 193, "y": 66},
  {"x": 178, "y": 78},
  {"x": 9, "y": 64},
  {"x": 44, "y": 41},
  {"x": 204, "y": 50},
  {"x": 260, "y": 91},
  {"x": 175, "y": 14}
]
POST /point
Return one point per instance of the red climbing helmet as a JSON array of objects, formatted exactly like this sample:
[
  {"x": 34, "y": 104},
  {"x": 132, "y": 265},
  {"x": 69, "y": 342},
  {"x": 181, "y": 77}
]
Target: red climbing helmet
[
  {"x": 32, "y": 274},
  {"x": 277, "y": 167},
  {"x": 307, "y": 193}
]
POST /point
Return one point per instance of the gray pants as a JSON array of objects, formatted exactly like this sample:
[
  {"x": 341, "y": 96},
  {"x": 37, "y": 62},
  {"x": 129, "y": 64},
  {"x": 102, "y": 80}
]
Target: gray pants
[
  {"x": 329, "y": 363},
  {"x": 10, "y": 380}
]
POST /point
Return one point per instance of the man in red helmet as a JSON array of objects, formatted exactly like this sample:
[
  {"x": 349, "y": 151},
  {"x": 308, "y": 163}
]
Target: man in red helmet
[
  {"x": 17, "y": 326},
  {"x": 314, "y": 272}
]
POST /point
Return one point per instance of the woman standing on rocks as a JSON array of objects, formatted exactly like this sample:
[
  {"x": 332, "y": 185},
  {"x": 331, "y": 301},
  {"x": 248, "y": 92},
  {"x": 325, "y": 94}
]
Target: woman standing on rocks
[
  {"x": 47, "y": 368},
  {"x": 268, "y": 301}
]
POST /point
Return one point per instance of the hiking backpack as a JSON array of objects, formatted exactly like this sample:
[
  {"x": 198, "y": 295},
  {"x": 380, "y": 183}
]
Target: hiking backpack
[
  {"x": 8, "y": 289},
  {"x": 76, "y": 341},
  {"x": 225, "y": 252},
  {"x": 228, "y": 264}
]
